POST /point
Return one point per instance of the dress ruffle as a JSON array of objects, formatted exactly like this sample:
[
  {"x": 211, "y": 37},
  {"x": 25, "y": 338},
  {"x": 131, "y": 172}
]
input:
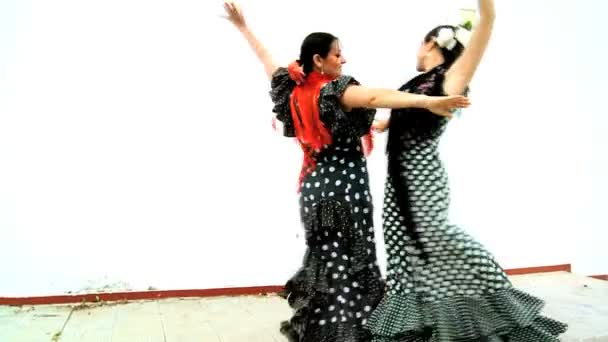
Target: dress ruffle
[
  {"x": 353, "y": 124},
  {"x": 309, "y": 292},
  {"x": 507, "y": 313},
  {"x": 281, "y": 87}
]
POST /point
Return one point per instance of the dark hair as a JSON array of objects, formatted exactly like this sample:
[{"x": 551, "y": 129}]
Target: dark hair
[
  {"x": 316, "y": 43},
  {"x": 449, "y": 56}
]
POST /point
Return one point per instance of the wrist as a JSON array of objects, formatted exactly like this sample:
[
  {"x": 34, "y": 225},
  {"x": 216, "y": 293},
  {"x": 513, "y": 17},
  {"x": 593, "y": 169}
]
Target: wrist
[
  {"x": 243, "y": 28},
  {"x": 425, "y": 101}
]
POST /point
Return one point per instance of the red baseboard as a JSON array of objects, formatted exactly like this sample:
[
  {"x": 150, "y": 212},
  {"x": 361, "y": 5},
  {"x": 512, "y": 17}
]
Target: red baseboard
[
  {"x": 540, "y": 269},
  {"x": 234, "y": 291},
  {"x": 138, "y": 295},
  {"x": 600, "y": 276}
]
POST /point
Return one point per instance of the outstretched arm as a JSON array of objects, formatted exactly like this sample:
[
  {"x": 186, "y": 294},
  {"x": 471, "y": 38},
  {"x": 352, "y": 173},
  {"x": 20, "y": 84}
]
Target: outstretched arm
[
  {"x": 461, "y": 73},
  {"x": 235, "y": 15},
  {"x": 361, "y": 97}
]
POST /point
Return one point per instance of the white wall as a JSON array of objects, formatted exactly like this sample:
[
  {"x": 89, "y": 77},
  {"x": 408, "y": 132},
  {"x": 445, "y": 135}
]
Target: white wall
[
  {"x": 136, "y": 148},
  {"x": 591, "y": 76}
]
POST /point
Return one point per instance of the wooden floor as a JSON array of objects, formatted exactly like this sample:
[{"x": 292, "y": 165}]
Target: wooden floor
[{"x": 579, "y": 301}]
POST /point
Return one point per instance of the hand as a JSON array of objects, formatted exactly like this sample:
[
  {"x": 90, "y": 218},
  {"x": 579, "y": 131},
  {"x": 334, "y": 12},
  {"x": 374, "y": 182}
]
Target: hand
[
  {"x": 442, "y": 105},
  {"x": 234, "y": 14},
  {"x": 380, "y": 125}
]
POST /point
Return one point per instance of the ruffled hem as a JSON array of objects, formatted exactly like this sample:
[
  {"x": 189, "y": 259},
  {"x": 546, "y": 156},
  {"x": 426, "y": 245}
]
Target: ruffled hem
[
  {"x": 507, "y": 314},
  {"x": 310, "y": 287},
  {"x": 328, "y": 333},
  {"x": 302, "y": 297}
]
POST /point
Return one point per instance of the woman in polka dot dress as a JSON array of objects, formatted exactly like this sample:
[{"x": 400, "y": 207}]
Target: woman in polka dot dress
[
  {"x": 442, "y": 285},
  {"x": 339, "y": 283}
]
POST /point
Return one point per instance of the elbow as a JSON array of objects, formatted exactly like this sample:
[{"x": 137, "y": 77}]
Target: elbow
[
  {"x": 373, "y": 99},
  {"x": 372, "y": 102}
]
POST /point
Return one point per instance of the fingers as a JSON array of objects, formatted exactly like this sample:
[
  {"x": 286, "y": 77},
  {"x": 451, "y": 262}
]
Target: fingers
[
  {"x": 228, "y": 10},
  {"x": 459, "y": 102},
  {"x": 461, "y": 99},
  {"x": 445, "y": 105},
  {"x": 445, "y": 113},
  {"x": 462, "y": 105},
  {"x": 236, "y": 9},
  {"x": 464, "y": 101},
  {"x": 233, "y": 13},
  {"x": 231, "y": 7}
]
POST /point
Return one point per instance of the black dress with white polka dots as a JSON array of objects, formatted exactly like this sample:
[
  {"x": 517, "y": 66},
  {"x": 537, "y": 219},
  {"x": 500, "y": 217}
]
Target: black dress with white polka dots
[
  {"x": 442, "y": 285},
  {"x": 339, "y": 283}
]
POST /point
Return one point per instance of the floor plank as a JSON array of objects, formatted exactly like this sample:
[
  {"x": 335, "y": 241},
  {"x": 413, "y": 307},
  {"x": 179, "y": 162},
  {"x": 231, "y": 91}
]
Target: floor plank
[
  {"x": 91, "y": 324},
  {"x": 184, "y": 321},
  {"x": 34, "y": 324},
  {"x": 138, "y": 322}
]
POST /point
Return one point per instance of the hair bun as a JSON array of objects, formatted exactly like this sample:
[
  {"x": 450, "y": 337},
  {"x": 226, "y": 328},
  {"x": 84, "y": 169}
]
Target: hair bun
[{"x": 296, "y": 72}]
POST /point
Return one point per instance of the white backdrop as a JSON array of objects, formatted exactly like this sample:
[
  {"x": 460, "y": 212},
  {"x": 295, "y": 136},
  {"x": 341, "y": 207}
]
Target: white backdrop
[{"x": 136, "y": 148}]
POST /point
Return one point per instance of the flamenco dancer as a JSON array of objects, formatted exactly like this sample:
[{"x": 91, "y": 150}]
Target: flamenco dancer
[
  {"x": 442, "y": 285},
  {"x": 330, "y": 114}
]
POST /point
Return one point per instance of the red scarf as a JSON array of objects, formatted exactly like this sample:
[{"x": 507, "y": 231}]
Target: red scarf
[{"x": 310, "y": 131}]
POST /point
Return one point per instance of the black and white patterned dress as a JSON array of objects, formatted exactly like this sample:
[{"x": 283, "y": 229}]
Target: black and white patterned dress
[
  {"x": 339, "y": 283},
  {"x": 442, "y": 285}
]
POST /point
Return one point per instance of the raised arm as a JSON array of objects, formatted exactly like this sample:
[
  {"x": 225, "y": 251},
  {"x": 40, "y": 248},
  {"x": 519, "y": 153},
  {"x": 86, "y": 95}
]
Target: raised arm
[
  {"x": 235, "y": 15},
  {"x": 361, "y": 97},
  {"x": 462, "y": 71}
]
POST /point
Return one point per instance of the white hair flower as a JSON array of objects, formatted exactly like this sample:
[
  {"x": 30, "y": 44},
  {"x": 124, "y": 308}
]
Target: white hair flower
[
  {"x": 446, "y": 38},
  {"x": 463, "y": 35}
]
